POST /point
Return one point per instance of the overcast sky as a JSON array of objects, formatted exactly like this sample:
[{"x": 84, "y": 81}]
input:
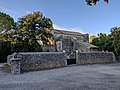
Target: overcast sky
[{"x": 69, "y": 14}]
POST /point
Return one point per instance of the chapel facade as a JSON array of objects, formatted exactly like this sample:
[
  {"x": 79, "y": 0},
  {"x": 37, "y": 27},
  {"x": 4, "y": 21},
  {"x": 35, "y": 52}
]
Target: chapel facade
[{"x": 70, "y": 42}]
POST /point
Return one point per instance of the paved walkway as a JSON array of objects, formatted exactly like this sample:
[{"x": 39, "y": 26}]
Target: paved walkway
[{"x": 85, "y": 77}]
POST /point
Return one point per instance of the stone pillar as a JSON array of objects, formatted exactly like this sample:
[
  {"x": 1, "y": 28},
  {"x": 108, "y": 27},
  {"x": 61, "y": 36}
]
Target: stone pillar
[
  {"x": 65, "y": 56},
  {"x": 77, "y": 59},
  {"x": 87, "y": 37},
  {"x": 9, "y": 58},
  {"x": 59, "y": 46},
  {"x": 114, "y": 58},
  {"x": 15, "y": 65}
]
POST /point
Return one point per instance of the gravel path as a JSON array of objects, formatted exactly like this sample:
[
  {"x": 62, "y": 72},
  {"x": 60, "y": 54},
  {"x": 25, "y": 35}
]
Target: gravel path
[{"x": 84, "y": 77}]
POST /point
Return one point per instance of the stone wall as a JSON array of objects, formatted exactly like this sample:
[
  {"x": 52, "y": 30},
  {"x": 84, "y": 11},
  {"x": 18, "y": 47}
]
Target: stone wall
[
  {"x": 36, "y": 61},
  {"x": 48, "y": 48},
  {"x": 30, "y": 61},
  {"x": 118, "y": 58},
  {"x": 95, "y": 57}
]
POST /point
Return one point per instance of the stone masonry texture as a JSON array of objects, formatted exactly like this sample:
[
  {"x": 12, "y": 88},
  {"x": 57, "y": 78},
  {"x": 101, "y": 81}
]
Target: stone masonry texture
[
  {"x": 95, "y": 57},
  {"x": 30, "y": 61},
  {"x": 40, "y": 60}
]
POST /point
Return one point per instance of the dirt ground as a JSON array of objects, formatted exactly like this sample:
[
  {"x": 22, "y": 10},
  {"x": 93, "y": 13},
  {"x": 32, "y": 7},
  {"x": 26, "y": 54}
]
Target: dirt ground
[{"x": 83, "y": 77}]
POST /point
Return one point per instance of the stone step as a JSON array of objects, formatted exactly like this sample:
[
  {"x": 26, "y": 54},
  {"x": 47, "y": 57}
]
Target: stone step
[
  {"x": 2, "y": 65},
  {"x": 5, "y": 67}
]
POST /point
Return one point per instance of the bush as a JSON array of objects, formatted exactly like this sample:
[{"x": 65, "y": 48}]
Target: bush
[{"x": 5, "y": 50}]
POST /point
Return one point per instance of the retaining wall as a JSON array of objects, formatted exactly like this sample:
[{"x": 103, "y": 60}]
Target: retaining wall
[
  {"x": 95, "y": 57},
  {"x": 24, "y": 61},
  {"x": 36, "y": 61}
]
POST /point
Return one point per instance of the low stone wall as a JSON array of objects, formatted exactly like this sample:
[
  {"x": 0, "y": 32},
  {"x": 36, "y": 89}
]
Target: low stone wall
[
  {"x": 9, "y": 58},
  {"x": 30, "y": 61},
  {"x": 21, "y": 62},
  {"x": 95, "y": 57},
  {"x": 118, "y": 58}
]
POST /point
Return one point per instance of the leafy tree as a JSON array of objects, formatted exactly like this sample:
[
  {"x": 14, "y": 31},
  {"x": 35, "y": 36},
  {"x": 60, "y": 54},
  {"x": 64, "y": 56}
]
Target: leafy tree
[
  {"x": 91, "y": 2},
  {"x": 109, "y": 42},
  {"x": 102, "y": 41},
  {"x": 92, "y": 37},
  {"x": 6, "y": 22},
  {"x": 32, "y": 29},
  {"x": 115, "y": 36}
]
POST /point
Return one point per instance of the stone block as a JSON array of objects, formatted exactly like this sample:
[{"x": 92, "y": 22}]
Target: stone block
[
  {"x": 15, "y": 65},
  {"x": 95, "y": 57}
]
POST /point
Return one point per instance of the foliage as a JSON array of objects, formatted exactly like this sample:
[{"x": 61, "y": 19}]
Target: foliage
[
  {"x": 91, "y": 38},
  {"x": 6, "y": 22},
  {"x": 101, "y": 41},
  {"x": 109, "y": 42},
  {"x": 2, "y": 38},
  {"x": 91, "y": 2},
  {"x": 115, "y": 36},
  {"x": 30, "y": 31},
  {"x": 5, "y": 50}
]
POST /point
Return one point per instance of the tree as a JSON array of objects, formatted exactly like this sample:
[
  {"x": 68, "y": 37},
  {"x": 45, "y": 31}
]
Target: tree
[
  {"x": 6, "y": 22},
  {"x": 33, "y": 31},
  {"x": 91, "y": 2},
  {"x": 103, "y": 41},
  {"x": 6, "y": 25},
  {"x": 115, "y": 36},
  {"x": 91, "y": 38},
  {"x": 109, "y": 42}
]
